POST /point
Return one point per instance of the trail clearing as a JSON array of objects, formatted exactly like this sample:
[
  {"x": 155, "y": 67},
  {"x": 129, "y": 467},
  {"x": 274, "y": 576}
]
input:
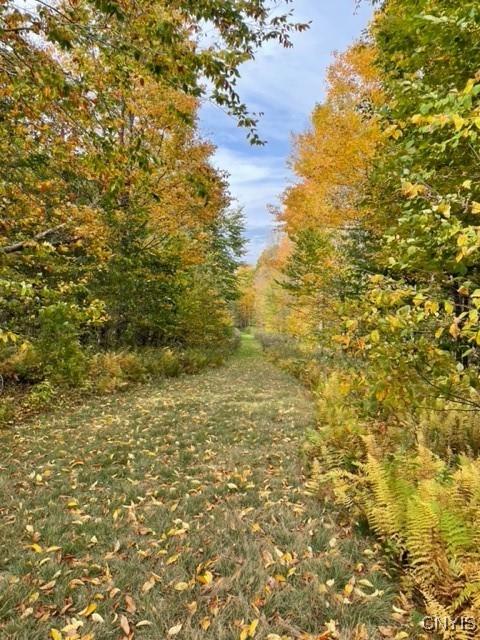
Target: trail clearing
[{"x": 179, "y": 510}]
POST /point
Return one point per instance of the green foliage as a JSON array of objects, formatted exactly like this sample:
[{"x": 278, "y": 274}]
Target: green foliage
[
  {"x": 244, "y": 305},
  {"x": 41, "y": 395},
  {"x": 393, "y": 306},
  {"x": 58, "y": 344},
  {"x": 117, "y": 232}
]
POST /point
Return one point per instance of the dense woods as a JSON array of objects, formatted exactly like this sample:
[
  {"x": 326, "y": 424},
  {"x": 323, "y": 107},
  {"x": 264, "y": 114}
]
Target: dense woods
[
  {"x": 373, "y": 294},
  {"x": 116, "y": 231}
]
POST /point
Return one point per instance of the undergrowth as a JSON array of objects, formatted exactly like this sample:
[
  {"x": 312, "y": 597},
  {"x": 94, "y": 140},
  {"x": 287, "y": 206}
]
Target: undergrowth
[
  {"x": 30, "y": 388},
  {"x": 413, "y": 477}
]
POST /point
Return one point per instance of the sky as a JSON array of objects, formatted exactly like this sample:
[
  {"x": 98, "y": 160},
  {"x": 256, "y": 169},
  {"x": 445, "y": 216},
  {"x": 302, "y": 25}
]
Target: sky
[{"x": 285, "y": 85}]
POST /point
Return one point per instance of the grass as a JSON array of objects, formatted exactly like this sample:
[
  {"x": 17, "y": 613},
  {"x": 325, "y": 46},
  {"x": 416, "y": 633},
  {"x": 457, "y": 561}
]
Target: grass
[{"x": 178, "y": 509}]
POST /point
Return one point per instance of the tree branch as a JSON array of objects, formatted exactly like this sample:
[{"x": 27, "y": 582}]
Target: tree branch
[{"x": 20, "y": 246}]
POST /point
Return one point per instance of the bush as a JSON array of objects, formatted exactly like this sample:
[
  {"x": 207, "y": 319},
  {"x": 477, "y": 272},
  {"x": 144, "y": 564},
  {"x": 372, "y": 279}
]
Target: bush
[
  {"x": 23, "y": 365},
  {"x": 169, "y": 363},
  {"x": 7, "y": 410},
  {"x": 416, "y": 483},
  {"x": 113, "y": 371},
  {"x": 194, "y": 360},
  {"x": 41, "y": 394},
  {"x": 304, "y": 362},
  {"x": 58, "y": 345},
  {"x": 433, "y": 512},
  {"x": 340, "y": 427}
]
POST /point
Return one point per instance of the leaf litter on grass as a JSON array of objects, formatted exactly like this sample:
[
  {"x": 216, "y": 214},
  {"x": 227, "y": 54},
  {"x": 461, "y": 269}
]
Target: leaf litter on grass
[{"x": 179, "y": 510}]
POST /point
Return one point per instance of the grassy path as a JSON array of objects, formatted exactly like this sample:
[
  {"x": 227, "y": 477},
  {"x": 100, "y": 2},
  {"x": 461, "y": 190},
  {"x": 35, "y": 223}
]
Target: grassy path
[{"x": 178, "y": 510}]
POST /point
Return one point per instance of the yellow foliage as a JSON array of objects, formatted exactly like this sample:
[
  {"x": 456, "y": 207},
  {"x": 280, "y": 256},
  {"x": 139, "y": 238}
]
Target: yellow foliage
[
  {"x": 272, "y": 310},
  {"x": 432, "y": 515},
  {"x": 331, "y": 182}
]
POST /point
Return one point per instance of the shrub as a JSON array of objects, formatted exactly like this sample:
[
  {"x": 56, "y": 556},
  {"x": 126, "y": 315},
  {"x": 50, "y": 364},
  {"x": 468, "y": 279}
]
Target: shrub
[
  {"x": 169, "y": 363},
  {"x": 194, "y": 360},
  {"x": 23, "y": 365},
  {"x": 340, "y": 428},
  {"x": 41, "y": 394},
  {"x": 433, "y": 511},
  {"x": 113, "y": 371},
  {"x": 413, "y": 483},
  {"x": 58, "y": 345},
  {"x": 7, "y": 410}
]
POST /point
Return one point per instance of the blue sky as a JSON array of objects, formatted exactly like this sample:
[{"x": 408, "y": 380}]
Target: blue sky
[{"x": 285, "y": 85}]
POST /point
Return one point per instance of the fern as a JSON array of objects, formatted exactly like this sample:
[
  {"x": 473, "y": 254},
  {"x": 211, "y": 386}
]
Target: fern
[{"x": 430, "y": 509}]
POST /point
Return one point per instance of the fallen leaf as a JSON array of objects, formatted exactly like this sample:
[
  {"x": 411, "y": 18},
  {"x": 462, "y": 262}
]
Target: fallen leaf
[
  {"x": 172, "y": 559},
  {"x": 205, "y": 623},
  {"x": 131, "y": 606},
  {"x": 366, "y": 583},
  {"x": 96, "y": 617},
  {"x": 173, "y": 631},
  {"x": 48, "y": 585},
  {"x": 348, "y": 590},
  {"x": 125, "y": 625},
  {"x": 70, "y": 629},
  {"x": 206, "y": 578},
  {"x": 192, "y": 607},
  {"x": 149, "y": 584},
  {"x": 88, "y": 610},
  {"x": 253, "y": 628}
]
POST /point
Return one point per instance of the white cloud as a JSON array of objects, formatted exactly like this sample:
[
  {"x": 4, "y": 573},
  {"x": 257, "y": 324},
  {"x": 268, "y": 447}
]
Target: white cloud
[
  {"x": 285, "y": 85},
  {"x": 256, "y": 181}
]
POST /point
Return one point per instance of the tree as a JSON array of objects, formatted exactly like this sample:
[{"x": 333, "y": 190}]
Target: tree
[
  {"x": 245, "y": 304},
  {"x": 332, "y": 160},
  {"x": 112, "y": 213}
]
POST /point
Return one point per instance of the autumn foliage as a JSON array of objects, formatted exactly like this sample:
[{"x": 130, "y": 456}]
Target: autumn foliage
[
  {"x": 332, "y": 159},
  {"x": 116, "y": 230},
  {"x": 383, "y": 282}
]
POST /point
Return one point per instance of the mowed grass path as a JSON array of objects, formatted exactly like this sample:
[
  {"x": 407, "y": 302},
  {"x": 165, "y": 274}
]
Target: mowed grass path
[{"x": 178, "y": 510}]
